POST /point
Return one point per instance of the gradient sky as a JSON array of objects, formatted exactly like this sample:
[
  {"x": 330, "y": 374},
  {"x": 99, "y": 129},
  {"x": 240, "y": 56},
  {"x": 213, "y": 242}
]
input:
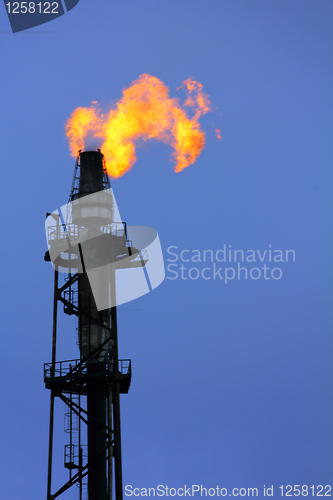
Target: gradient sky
[{"x": 232, "y": 383}]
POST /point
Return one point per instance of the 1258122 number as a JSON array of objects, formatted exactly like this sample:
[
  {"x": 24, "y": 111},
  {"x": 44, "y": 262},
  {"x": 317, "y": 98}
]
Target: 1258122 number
[
  {"x": 304, "y": 490},
  {"x": 32, "y": 7}
]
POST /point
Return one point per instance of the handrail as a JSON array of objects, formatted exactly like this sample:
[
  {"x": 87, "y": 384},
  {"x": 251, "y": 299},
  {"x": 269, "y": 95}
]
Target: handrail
[
  {"x": 65, "y": 368},
  {"x": 57, "y": 232}
]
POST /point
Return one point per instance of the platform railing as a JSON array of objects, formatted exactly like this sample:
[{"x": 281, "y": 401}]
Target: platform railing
[{"x": 68, "y": 367}]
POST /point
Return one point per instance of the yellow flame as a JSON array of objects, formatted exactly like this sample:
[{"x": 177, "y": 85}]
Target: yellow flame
[{"x": 144, "y": 112}]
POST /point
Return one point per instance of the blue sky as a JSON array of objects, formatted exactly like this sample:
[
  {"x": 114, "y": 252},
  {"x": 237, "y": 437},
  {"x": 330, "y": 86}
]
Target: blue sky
[{"x": 232, "y": 383}]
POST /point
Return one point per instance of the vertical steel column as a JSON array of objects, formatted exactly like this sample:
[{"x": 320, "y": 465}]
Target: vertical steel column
[
  {"x": 91, "y": 334},
  {"x": 115, "y": 396},
  {"x": 54, "y": 345},
  {"x": 80, "y": 448},
  {"x": 97, "y": 484},
  {"x": 110, "y": 448},
  {"x": 96, "y": 391},
  {"x": 96, "y": 394}
]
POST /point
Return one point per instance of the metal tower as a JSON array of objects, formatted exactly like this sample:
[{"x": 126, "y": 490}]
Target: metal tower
[{"x": 89, "y": 386}]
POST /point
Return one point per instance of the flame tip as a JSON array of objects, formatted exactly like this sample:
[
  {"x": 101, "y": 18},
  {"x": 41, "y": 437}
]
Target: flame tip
[{"x": 145, "y": 111}]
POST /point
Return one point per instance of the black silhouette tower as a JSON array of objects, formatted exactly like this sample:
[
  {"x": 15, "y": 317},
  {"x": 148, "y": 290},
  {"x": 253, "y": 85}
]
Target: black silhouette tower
[{"x": 89, "y": 386}]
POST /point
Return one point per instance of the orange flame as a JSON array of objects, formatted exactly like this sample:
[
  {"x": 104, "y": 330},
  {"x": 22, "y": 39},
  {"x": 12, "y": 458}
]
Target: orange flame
[
  {"x": 218, "y": 133},
  {"x": 144, "y": 112}
]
